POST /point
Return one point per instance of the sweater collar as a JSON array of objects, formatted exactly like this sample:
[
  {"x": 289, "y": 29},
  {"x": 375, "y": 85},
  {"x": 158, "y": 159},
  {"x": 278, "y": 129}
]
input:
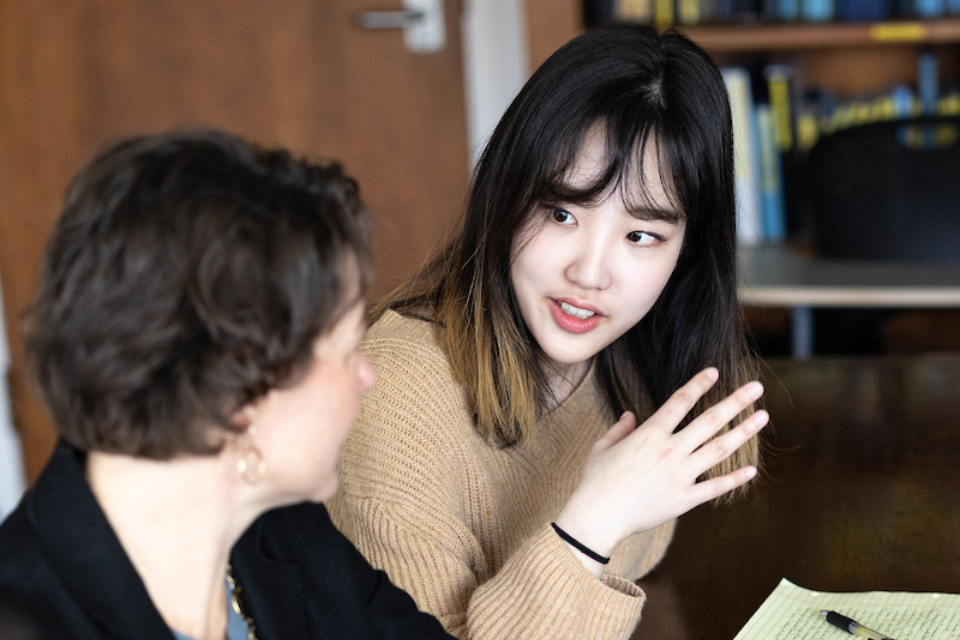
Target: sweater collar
[{"x": 583, "y": 399}]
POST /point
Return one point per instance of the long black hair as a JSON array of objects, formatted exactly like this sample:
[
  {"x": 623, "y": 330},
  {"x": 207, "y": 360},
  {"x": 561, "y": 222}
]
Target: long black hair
[{"x": 642, "y": 87}]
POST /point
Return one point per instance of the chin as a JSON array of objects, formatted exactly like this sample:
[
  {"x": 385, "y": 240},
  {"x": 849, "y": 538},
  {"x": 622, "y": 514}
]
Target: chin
[{"x": 569, "y": 358}]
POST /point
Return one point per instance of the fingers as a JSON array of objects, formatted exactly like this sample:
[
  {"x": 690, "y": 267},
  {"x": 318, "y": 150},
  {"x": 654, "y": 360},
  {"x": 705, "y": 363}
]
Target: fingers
[
  {"x": 720, "y": 448},
  {"x": 715, "y": 487},
  {"x": 707, "y": 424},
  {"x": 623, "y": 427},
  {"x": 678, "y": 405}
]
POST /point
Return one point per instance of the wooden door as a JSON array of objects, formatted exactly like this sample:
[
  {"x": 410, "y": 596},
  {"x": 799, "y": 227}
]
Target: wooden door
[{"x": 76, "y": 73}]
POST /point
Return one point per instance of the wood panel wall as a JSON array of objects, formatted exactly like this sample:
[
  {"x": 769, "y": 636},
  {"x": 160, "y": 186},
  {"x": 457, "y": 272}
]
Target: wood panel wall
[
  {"x": 75, "y": 73},
  {"x": 550, "y": 24}
]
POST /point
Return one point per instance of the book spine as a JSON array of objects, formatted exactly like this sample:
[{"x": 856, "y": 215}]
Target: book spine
[
  {"x": 689, "y": 11},
  {"x": 771, "y": 176},
  {"x": 770, "y": 11},
  {"x": 634, "y": 11},
  {"x": 817, "y": 10},
  {"x": 663, "y": 14},
  {"x": 928, "y": 81},
  {"x": 789, "y": 10},
  {"x": 749, "y": 225},
  {"x": 863, "y": 10},
  {"x": 929, "y": 8},
  {"x": 779, "y": 79},
  {"x": 597, "y": 12}
]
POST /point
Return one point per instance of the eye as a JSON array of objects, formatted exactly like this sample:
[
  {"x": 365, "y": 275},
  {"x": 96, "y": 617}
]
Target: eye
[
  {"x": 561, "y": 216},
  {"x": 643, "y": 239}
]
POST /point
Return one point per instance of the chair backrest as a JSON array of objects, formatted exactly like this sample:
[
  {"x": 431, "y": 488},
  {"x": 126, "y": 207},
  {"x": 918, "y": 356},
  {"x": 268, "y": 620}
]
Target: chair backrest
[{"x": 888, "y": 191}]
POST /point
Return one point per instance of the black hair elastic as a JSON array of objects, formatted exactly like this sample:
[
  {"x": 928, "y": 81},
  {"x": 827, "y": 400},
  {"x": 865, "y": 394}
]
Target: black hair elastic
[{"x": 590, "y": 553}]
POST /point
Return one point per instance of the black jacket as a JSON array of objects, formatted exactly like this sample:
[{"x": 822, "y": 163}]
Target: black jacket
[{"x": 301, "y": 578}]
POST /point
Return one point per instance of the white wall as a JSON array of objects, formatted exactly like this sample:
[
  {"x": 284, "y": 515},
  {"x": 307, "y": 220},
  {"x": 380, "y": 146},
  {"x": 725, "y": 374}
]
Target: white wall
[
  {"x": 11, "y": 455},
  {"x": 495, "y": 64}
]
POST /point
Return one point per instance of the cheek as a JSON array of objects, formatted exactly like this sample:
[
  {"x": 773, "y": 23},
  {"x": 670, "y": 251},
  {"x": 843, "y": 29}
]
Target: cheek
[
  {"x": 532, "y": 264},
  {"x": 344, "y": 397},
  {"x": 646, "y": 289},
  {"x": 350, "y": 410}
]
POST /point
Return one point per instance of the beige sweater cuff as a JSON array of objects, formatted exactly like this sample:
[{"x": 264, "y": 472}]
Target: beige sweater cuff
[{"x": 557, "y": 598}]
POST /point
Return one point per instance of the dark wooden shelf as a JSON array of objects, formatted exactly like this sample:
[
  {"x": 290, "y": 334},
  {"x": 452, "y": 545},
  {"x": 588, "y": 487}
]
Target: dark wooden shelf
[{"x": 805, "y": 36}]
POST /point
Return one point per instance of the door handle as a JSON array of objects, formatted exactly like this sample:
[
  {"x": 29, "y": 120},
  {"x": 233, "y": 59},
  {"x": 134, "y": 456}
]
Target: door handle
[
  {"x": 400, "y": 19},
  {"x": 422, "y": 22}
]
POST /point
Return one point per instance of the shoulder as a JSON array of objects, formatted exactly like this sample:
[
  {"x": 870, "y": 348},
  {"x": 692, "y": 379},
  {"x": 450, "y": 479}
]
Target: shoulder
[
  {"x": 396, "y": 342},
  {"x": 30, "y": 586},
  {"x": 301, "y": 534},
  {"x": 294, "y": 561},
  {"x": 415, "y": 383},
  {"x": 21, "y": 557},
  {"x": 415, "y": 429}
]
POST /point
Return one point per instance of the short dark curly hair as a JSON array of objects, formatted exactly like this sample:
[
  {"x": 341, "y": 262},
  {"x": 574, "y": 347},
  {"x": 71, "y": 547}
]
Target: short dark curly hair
[{"x": 189, "y": 273}]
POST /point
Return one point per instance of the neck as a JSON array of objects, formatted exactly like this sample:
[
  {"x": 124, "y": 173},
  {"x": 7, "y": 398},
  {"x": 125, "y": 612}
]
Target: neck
[
  {"x": 563, "y": 379},
  {"x": 177, "y": 521}
]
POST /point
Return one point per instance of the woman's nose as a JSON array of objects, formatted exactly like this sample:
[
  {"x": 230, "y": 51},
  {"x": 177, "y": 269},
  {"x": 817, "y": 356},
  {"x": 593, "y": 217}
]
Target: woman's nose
[{"x": 589, "y": 267}]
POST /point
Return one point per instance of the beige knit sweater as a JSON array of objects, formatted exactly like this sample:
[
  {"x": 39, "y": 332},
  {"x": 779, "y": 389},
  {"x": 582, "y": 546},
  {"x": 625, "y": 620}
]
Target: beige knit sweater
[{"x": 464, "y": 526}]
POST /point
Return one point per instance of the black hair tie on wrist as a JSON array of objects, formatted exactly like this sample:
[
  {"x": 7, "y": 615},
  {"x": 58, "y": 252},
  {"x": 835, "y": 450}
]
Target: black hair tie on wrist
[{"x": 579, "y": 546}]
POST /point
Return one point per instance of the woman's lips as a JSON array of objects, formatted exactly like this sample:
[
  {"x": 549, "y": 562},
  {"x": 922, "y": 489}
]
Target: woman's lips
[{"x": 573, "y": 323}]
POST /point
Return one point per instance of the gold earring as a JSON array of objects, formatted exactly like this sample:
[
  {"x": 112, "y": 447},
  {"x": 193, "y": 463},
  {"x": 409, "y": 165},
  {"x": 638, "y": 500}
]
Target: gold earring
[{"x": 251, "y": 464}]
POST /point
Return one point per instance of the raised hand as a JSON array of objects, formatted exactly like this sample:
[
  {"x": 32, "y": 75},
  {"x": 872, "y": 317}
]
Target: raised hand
[{"x": 636, "y": 478}]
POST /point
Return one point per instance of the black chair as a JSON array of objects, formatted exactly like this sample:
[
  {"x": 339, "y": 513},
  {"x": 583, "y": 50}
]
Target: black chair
[{"x": 888, "y": 191}]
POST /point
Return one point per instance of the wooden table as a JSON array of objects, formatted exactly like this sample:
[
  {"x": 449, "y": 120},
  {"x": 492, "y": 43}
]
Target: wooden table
[{"x": 860, "y": 492}]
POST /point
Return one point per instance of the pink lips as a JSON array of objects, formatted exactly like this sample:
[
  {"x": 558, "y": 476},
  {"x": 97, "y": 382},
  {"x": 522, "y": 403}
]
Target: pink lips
[{"x": 571, "y": 323}]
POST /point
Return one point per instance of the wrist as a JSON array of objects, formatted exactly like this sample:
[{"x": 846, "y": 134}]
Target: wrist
[
  {"x": 593, "y": 537},
  {"x": 579, "y": 546}
]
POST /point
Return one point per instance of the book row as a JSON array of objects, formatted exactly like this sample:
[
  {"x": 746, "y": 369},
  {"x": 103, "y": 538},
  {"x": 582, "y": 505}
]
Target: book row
[
  {"x": 777, "y": 123},
  {"x": 665, "y": 13}
]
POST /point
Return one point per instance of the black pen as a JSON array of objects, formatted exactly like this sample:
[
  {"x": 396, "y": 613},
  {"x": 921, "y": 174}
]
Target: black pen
[{"x": 852, "y": 626}]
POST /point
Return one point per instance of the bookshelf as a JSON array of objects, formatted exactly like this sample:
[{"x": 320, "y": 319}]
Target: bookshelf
[
  {"x": 850, "y": 59},
  {"x": 800, "y": 37},
  {"x": 854, "y": 61}
]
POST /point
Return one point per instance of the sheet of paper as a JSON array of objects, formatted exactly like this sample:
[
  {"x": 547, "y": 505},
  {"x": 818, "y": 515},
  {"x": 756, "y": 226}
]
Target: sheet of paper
[{"x": 792, "y": 612}]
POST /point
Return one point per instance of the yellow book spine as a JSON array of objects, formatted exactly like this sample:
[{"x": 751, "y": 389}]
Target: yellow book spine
[
  {"x": 663, "y": 13},
  {"x": 634, "y": 11},
  {"x": 779, "y": 86},
  {"x": 688, "y": 11}
]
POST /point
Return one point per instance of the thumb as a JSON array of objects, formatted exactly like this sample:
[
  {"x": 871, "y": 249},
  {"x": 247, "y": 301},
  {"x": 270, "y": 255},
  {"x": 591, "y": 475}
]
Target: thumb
[{"x": 620, "y": 430}]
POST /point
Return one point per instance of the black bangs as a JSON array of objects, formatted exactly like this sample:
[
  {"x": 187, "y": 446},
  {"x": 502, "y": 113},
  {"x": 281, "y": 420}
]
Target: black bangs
[{"x": 626, "y": 134}]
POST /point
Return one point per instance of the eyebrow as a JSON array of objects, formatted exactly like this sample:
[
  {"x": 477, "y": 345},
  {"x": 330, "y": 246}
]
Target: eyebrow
[{"x": 644, "y": 212}]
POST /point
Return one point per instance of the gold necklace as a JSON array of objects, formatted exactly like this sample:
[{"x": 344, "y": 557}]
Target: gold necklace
[{"x": 235, "y": 599}]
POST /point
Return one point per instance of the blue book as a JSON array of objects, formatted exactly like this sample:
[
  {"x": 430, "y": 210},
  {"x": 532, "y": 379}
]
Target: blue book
[
  {"x": 819, "y": 10},
  {"x": 863, "y": 10},
  {"x": 772, "y": 209},
  {"x": 789, "y": 10},
  {"x": 902, "y": 101},
  {"x": 725, "y": 10},
  {"x": 928, "y": 81},
  {"x": 929, "y": 8},
  {"x": 770, "y": 10}
]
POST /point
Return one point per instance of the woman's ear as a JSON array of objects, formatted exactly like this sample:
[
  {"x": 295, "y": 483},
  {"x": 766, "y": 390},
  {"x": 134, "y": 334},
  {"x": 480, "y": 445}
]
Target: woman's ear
[{"x": 246, "y": 415}]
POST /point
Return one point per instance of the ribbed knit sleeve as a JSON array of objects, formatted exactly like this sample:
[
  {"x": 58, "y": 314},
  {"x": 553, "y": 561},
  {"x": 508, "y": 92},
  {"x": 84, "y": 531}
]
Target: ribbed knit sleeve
[
  {"x": 545, "y": 592},
  {"x": 463, "y": 526}
]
